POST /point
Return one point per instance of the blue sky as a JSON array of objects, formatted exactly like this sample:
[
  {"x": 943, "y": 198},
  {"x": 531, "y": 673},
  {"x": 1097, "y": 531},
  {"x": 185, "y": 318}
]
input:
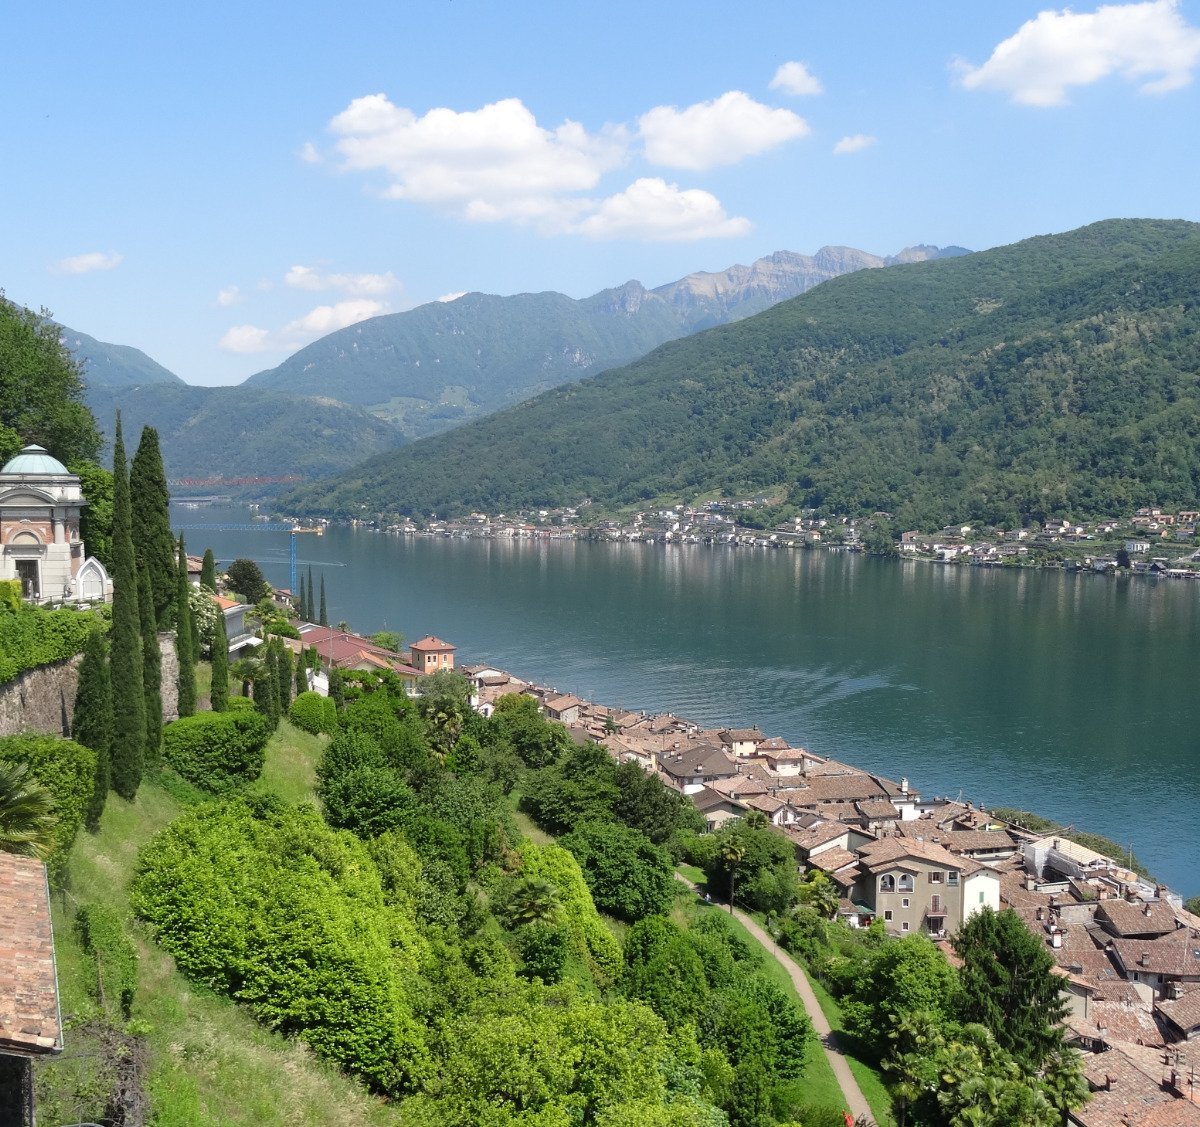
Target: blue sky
[{"x": 220, "y": 184}]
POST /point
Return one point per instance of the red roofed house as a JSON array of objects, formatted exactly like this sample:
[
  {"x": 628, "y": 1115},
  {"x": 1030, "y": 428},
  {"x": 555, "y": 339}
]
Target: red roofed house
[
  {"x": 30, "y": 1022},
  {"x": 431, "y": 654}
]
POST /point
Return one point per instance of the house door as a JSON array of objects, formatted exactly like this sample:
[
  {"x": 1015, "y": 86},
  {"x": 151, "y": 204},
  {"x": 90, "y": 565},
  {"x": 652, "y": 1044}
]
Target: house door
[{"x": 27, "y": 573}]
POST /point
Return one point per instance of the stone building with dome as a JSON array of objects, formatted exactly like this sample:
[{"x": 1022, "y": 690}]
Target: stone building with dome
[{"x": 41, "y": 502}]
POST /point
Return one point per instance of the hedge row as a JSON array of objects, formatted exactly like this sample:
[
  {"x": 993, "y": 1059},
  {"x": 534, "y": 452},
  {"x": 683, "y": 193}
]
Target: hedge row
[
  {"x": 102, "y": 936},
  {"x": 218, "y": 751},
  {"x": 30, "y": 636}
]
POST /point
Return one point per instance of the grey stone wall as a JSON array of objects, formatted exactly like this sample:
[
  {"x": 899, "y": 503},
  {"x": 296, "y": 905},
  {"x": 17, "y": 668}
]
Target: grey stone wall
[{"x": 43, "y": 699}]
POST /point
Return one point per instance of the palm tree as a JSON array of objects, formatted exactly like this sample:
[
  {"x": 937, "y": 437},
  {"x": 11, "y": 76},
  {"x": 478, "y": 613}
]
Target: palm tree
[
  {"x": 26, "y": 813},
  {"x": 733, "y": 854},
  {"x": 532, "y": 900}
]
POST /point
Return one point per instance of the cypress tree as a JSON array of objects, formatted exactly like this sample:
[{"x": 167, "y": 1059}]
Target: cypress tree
[
  {"x": 337, "y": 688},
  {"x": 220, "y": 666},
  {"x": 324, "y": 617},
  {"x": 183, "y": 638},
  {"x": 310, "y": 602},
  {"x": 208, "y": 570},
  {"x": 301, "y": 674},
  {"x": 266, "y": 688},
  {"x": 92, "y": 721},
  {"x": 283, "y": 657},
  {"x": 153, "y": 541},
  {"x": 151, "y": 671},
  {"x": 195, "y": 627},
  {"x": 125, "y": 657}
]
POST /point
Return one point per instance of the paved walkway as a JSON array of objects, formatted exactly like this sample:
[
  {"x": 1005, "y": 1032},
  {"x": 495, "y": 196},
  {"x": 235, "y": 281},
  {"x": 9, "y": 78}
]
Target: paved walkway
[{"x": 856, "y": 1102}]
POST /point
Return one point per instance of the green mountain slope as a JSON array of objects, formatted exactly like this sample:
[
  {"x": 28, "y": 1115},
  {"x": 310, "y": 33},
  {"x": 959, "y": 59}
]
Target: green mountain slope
[
  {"x": 442, "y": 364},
  {"x": 244, "y": 432},
  {"x": 114, "y": 365},
  {"x": 1055, "y": 375}
]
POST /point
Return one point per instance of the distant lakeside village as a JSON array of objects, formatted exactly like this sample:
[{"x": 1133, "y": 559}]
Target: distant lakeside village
[{"x": 1148, "y": 541}]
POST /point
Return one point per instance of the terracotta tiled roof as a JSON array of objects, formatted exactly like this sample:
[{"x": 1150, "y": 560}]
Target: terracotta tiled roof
[
  {"x": 1176, "y": 955},
  {"x": 833, "y": 859},
  {"x": 1120, "y": 918},
  {"x": 29, "y": 1016},
  {"x": 889, "y": 850},
  {"x": 1183, "y": 1013},
  {"x": 430, "y": 644}
]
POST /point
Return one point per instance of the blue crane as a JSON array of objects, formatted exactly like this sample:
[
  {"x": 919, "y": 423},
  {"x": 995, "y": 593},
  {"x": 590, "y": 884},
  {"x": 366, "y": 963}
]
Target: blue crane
[{"x": 261, "y": 526}]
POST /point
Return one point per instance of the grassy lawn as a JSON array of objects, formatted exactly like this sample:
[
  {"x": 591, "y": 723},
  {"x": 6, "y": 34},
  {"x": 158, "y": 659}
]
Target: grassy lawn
[{"x": 210, "y": 1062}]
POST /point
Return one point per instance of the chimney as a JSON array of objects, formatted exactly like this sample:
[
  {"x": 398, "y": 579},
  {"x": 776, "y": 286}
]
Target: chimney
[
  {"x": 1041, "y": 913},
  {"x": 904, "y": 785},
  {"x": 1146, "y": 911},
  {"x": 1175, "y": 990},
  {"x": 1056, "y": 938},
  {"x": 1145, "y": 959}
]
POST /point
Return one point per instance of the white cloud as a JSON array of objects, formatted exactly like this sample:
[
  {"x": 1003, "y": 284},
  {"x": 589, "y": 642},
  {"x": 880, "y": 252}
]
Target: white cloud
[
  {"x": 722, "y": 131},
  {"x": 87, "y": 263},
  {"x": 796, "y": 78},
  {"x": 228, "y": 296},
  {"x": 855, "y": 143},
  {"x": 309, "y": 153},
  {"x": 1148, "y": 43},
  {"x": 654, "y": 210},
  {"x": 488, "y": 164},
  {"x": 357, "y": 285},
  {"x": 245, "y": 338},
  {"x": 327, "y": 318},
  {"x": 449, "y": 297}
]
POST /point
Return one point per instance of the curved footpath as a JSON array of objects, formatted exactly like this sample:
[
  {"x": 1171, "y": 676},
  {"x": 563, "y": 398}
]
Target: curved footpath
[{"x": 856, "y": 1102}]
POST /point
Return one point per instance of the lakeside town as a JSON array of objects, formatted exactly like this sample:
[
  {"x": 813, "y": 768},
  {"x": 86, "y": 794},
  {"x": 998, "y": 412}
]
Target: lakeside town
[
  {"x": 1126, "y": 947},
  {"x": 1146, "y": 541}
]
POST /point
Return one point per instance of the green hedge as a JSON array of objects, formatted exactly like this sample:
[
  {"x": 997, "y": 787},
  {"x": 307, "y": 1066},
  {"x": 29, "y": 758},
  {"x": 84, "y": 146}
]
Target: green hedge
[
  {"x": 217, "y": 751},
  {"x": 30, "y": 636},
  {"x": 68, "y": 771},
  {"x": 263, "y": 902},
  {"x": 314, "y": 713},
  {"x": 103, "y": 937}
]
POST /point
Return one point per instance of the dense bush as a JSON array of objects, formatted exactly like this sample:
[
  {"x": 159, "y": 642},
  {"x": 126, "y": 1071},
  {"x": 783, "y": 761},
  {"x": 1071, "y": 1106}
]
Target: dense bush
[
  {"x": 68, "y": 771},
  {"x": 630, "y": 877},
  {"x": 314, "y": 713},
  {"x": 543, "y": 948},
  {"x": 217, "y": 751},
  {"x": 263, "y": 902},
  {"x": 31, "y": 636},
  {"x": 102, "y": 936},
  {"x": 592, "y": 941}
]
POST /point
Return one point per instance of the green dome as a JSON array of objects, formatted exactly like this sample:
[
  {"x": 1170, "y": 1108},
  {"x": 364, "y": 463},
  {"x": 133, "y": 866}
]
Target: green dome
[{"x": 35, "y": 460}]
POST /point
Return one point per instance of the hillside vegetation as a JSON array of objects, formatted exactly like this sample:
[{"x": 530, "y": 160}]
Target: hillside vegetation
[{"x": 1055, "y": 375}]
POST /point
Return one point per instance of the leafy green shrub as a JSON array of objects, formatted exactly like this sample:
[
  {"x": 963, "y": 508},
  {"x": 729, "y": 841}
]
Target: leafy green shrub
[
  {"x": 10, "y": 595},
  {"x": 314, "y": 713},
  {"x": 31, "y": 636},
  {"x": 103, "y": 937},
  {"x": 68, "y": 771},
  {"x": 240, "y": 704},
  {"x": 543, "y": 948},
  {"x": 265, "y": 903},
  {"x": 630, "y": 877},
  {"x": 217, "y": 751},
  {"x": 591, "y": 939}
]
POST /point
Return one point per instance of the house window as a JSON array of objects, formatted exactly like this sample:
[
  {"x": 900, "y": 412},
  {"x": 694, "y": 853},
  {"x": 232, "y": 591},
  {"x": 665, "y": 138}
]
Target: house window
[
  {"x": 904, "y": 926},
  {"x": 887, "y": 884},
  {"x": 904, "y": 902},
  {"x": 887, "y": 915},
  {"x": 936, "y": 877},
  {"x": 935, "y": 905},
  {"x": 952, "y": 878},
  {"x": 981, "y": 896},
  {"x": 906, "y": 882}
]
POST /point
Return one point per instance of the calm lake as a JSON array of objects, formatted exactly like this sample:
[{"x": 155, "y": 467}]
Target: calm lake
[{"x": 1072, "y": 695}]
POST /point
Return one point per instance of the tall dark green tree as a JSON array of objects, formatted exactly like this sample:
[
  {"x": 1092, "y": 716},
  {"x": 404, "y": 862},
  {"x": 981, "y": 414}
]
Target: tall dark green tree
[
  {"x": 283, "y": 660},
  {"x": 151, "y": 670},
  {"x": 1007, "y": 983},
  {"x": 125, "y": 658},
  {"x": 301, "y": 674},
  {"x": 208, "y": 570},
  {"x": 266, "y": 688},
  {"x": 337, "y": 688},
  {"x": 220, "y": 666},
  {"x": 310, "y": 601},
  {"x": 92, "y": 720},
  {"x": 324, "y": 621},
  {"x": 183, "y": 638},
  {"x": 152, "y": 538}
]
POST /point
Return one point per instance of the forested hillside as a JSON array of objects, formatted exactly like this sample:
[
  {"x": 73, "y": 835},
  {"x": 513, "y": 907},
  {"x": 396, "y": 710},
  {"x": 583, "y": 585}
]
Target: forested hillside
[{"x": 1055, "y": 375}]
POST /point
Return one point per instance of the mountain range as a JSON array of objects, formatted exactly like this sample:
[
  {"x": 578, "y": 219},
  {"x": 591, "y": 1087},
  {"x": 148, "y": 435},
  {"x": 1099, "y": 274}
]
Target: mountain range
[
  {"x": 385, "y": 381},
  {"x": 1055, "y": 376}
]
